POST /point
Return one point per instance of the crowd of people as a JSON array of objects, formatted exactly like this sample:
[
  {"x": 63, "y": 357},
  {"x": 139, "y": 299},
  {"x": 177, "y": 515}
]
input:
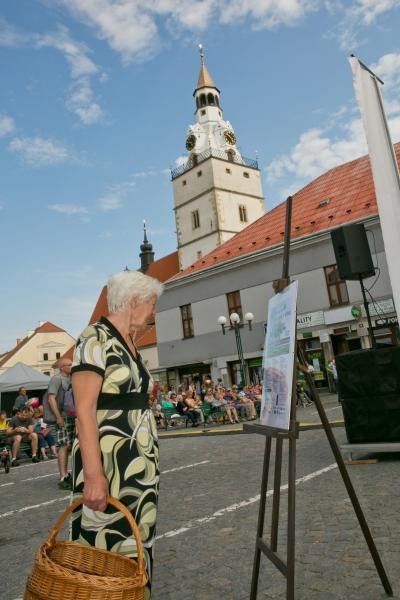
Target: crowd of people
[
  {"x": 206, "y": 402},
  {"x": 48, "y": 436}
]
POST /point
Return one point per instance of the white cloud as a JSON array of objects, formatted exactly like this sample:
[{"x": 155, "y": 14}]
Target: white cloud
[
  {"x": 111, "y": 201},
  {"x": 357, "y": 16},
  {"x": 7, "y": 125},
  {"x": 81, "y": 102},
  {"x": 130, "y": 27},
  {"x": 319, "y": 149},
  {"x": 39, "y": 152},
  {"x": 9, "y": 36},
  {"x": 68, "y": 209},
  {"x": 76, "y": 53}
]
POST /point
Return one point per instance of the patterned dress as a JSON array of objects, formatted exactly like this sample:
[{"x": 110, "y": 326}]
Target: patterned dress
[{"x": 128, "y": 443}]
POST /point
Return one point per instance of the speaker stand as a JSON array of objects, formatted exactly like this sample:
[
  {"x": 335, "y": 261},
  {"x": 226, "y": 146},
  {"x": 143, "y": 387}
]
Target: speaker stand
[{"x": 366, "y": 306}]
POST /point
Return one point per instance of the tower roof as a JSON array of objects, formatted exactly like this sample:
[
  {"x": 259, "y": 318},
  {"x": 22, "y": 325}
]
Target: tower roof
[{"x": 205, "y": 79}]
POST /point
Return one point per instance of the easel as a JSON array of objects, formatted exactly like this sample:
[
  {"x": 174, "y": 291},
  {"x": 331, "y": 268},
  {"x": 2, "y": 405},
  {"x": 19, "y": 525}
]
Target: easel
[{"x": 270, "y": 550}]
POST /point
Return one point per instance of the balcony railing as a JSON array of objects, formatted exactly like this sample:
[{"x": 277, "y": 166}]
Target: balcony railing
[{"x": 197, "y": 159}]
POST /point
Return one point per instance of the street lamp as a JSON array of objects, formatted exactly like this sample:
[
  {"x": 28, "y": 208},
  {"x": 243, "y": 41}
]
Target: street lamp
[{"x": 235, "y": 322}]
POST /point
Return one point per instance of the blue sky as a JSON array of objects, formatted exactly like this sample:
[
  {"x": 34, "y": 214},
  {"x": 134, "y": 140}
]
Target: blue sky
[{"x": 95, "y": 99}]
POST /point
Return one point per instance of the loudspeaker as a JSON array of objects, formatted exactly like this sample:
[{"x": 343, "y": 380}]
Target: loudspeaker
[
  {"x": 369, "y": 388},
  {"x": 353, "y": 256}
]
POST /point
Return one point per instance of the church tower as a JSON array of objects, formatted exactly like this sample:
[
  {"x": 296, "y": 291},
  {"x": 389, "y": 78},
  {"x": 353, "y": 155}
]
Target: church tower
[{"x": 217, "y": 191}]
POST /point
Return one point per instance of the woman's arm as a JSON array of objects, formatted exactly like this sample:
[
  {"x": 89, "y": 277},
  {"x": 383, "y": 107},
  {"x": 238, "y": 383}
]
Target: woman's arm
[{"x": 86, "y": 386}]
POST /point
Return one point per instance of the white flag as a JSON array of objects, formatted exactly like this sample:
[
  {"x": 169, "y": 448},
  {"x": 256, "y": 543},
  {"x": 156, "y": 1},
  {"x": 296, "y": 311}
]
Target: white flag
[{"x": 384, "y": 168}]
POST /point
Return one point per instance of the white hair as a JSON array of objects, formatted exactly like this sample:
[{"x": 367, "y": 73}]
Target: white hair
[{"x": 122, "y": 287}]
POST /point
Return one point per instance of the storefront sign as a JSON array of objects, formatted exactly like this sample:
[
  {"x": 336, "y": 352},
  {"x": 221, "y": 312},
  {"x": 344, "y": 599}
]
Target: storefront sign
[
  {"x": 385, "y": 322},
  {"x": 311, "y": 319},
  {"x": 379, "y": 307},
  {"x": 356, "y": 312}
]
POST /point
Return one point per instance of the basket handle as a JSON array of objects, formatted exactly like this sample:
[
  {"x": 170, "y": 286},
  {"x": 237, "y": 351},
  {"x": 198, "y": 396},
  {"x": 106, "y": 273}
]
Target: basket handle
[{"x": 117, "y": 504}]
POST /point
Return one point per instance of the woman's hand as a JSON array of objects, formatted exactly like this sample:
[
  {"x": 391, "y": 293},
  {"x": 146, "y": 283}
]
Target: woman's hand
[{"x": 95, "y": 493}]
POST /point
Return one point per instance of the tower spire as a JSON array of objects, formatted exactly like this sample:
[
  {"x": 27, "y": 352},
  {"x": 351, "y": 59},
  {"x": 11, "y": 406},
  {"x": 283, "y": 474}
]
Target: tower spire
[{"x": 146, "y": 254}]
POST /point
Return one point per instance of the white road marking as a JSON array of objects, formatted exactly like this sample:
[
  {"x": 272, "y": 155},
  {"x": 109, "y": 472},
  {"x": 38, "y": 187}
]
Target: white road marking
[
  {"x": 203, "y": 462},
  {"x": 13, "y": 512},
  {"x": 25, "y": 508},
  {"x": 223, "y": 511}
]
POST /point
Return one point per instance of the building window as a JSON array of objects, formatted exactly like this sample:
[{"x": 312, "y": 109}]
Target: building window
[
  {"x": 203, "y": 112},
  {"x": 187, "y": 321},
  {"x": 246, "y": 174},
  {"x": 199, "y": 254},
  {"x": 337, "y": 289},
  {"x": 184, "y": 182},
  {"x": 195, "y": 219},
  {"x": 242, "y": 213},
  {"x": 199, "y": 173},
  {"x": 234, "y": 303},
  {"x": 230, "y": 155},
  {"x": 58, "y": 354},
  {"x": 45, "y": 356},
  {"x": 228, "y": 171}
]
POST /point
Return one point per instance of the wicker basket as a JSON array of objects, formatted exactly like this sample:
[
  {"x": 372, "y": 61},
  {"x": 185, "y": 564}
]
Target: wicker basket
[{"x": 72, "y": 571}]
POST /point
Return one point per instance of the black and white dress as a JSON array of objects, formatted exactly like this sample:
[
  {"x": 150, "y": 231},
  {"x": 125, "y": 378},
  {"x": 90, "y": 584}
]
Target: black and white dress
[{"x": 128, "y": 443}]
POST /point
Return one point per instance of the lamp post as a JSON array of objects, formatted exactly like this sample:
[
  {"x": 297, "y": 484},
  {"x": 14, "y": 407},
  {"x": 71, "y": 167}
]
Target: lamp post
[{"x": 235, "y": 322}]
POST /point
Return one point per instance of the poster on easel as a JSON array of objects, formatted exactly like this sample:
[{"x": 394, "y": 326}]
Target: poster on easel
[{"x": 278, "y": 359}]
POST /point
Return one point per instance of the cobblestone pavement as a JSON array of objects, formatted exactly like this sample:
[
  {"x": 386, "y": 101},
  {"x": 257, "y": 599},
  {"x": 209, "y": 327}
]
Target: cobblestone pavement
[{"x": 207, "y": 521}]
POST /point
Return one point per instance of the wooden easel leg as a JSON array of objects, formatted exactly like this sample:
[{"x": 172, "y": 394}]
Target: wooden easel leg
[
  {"x": 291, "y": 534},
  {"x": 277, "y": 494},
  {"x": 261, "y": 519},
  {"x": 348, "y": 484}
]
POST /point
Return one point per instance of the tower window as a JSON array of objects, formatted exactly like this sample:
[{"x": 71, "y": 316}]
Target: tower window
[
  {"x": 184, "y": 182},
  {"x": 228, "y": 171},
  {"x": 202, "y": 112},
  {"x": 199, "y": 173},
  {"x": 242, "y": 213},
  {"x": 231, "y": 155},
  {"x": 246, "y": 174},
  {"x": 197, "y": 102},
  {"x": 219, "y": 113},
  {"x": 210, "y": 99},
  {"x": 203, "y": 100},
  {"x": 195, "y": 219},
  {"x": 216, "y": 100}
]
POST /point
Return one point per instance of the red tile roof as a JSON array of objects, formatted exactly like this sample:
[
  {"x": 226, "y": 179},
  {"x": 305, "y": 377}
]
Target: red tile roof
[
  {"x": 162, "y": 269},
  {"x": 343, "y": 194},
  {"x": 47, "y": 327}
]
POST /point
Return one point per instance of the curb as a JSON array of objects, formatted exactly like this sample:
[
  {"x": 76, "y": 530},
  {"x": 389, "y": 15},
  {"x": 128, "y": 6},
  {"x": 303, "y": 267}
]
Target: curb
[{"x": 304, "y": 426}]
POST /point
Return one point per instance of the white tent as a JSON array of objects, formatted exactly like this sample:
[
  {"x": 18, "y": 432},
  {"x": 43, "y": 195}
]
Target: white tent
[{"x": 21, "y": 375}]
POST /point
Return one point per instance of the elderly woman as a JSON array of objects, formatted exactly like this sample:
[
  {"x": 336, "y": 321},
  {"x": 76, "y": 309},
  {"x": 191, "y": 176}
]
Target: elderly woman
[{"x": 117, "y": 450}]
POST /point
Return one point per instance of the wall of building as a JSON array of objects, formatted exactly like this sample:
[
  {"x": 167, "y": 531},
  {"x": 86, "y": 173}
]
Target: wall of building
[
  {"x": 253, "y": 277},
  {"x": 33, "y": 352}
]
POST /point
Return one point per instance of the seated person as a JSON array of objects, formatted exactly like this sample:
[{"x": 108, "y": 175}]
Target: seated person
[
  {"x": 45, "y": 437},
  {"x": 248, "y": 405},
  {"x": 194, "y": 405},
  {"x": 229, "y": 405},
  {"x": 156, "y": 410},
  {"x": 20, "y": 428},
  {"x": 185, "y": 411},
  {"x": 3, "y": 420}
]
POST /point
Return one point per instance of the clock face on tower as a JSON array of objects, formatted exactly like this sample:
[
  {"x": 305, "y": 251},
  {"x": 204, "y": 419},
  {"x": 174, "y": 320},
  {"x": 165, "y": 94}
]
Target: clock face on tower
[
  {"x": 230, "y": 137},
  {"x": 190, "y": 142}
]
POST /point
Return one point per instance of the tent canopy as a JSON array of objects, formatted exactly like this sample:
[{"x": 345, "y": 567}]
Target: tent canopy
[{"x": 21, "y": 375}]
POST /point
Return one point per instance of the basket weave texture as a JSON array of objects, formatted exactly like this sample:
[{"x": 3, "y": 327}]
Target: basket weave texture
[{"x": 72, "y": 571}]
